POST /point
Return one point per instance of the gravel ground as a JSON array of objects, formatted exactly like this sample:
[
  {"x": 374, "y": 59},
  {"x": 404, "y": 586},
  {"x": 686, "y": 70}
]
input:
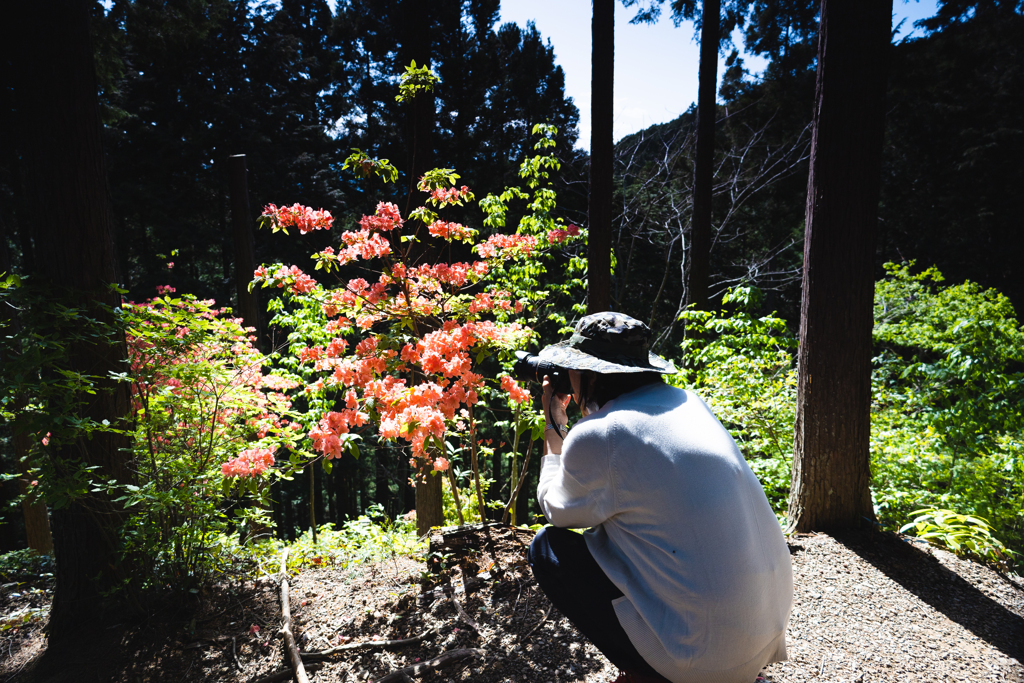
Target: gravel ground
[
  {"x": 871, "y": 607},
  {"x": 880, "y": 607}
]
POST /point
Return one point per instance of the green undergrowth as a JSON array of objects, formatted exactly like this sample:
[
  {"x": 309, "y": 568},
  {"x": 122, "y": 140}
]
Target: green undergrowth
[
  {"x": 372, "y": 537},
  {"x": 24, "y": 565},
  {"x": 947, "y": 428},
  {"x": 744, "y": 368}
]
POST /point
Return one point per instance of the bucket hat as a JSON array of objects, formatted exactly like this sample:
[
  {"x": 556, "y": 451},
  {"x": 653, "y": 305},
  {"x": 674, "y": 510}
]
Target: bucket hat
[{"x": 607, "y": 342}]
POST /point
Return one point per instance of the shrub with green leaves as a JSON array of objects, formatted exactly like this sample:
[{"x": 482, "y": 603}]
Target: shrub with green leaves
[
  {"x": 948, "y": 386},
  {"x": 744, "y": 368},
  {"x": 402, "y": 359},
  {"x": 25, "y": 565},
  {"x": 208, "y": 423},
  {"x": 963, "y": 534}
]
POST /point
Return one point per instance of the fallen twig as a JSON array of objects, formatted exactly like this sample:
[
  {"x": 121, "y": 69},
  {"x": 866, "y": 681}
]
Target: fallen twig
[
  {"x": 473, "y": 582},
  {"x": 286, "y": 627},
  {"x": 543, "y": 619},
  {"x": 284, "y": 674},
  {"x": 462, "y": 613},
  {"x": 369, "y": 645},
  {"x": 442, "y": 660},
  {"x": 234, "y": 654}
]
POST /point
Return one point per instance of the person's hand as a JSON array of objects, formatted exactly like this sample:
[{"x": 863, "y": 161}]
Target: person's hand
[{"x": 554, "y": 404}]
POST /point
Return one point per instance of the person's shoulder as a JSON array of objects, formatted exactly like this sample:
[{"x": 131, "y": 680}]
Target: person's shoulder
[{"x": 658, "y": 393}]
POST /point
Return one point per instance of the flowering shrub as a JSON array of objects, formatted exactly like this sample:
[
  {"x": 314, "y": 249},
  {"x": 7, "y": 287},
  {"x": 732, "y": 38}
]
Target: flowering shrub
[
  {"x": 408, "y": 365},
  {"x": 399, "y": 347},
  {"x": 208, "y": 423}
]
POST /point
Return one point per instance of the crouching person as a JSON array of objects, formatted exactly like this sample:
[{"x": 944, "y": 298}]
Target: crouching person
[{"x": 683, "y": 573}]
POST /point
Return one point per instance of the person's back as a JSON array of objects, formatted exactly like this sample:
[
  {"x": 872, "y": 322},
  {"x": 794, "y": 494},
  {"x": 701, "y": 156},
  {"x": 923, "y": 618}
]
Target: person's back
[
  {"x": 689, "y": 537},
  {"x": 683, "y": 574}
]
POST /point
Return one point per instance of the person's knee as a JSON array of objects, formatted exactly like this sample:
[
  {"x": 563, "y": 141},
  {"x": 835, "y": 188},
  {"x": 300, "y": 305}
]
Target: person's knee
[{"x": 540, "y": 547}]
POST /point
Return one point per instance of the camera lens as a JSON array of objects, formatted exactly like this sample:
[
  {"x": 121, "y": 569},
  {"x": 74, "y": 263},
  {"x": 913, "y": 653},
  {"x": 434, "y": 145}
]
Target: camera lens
[{"x": 531, "y": 368}]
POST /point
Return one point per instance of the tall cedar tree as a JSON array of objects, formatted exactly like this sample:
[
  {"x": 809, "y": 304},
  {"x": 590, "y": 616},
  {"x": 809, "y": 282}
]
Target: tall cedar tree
[
  {"x": 602, "y": 151},
  {"x": 248, "y": 306},
  {"x": 704, "y": 158},
  {"x": 58, "y": 117},
  {"x": 713, "y": 27},
  {"x": 831, "y": 469}
]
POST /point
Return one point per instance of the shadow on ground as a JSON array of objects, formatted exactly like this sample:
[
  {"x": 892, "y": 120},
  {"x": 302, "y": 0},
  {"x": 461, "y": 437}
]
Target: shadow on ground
[{"x": 924, "y": 576}]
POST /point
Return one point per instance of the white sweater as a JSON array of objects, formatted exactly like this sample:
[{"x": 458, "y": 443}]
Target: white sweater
[{"x": 682, "y": 527}]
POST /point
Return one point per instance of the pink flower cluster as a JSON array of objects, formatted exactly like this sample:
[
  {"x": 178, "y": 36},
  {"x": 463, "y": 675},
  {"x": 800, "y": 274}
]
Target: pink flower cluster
[
  {"x": 326, "y": 435},
  {"x": 453, "y": 274},
  {"x": 515, "y": 392},
  {"x": 486, "y": 301},
  {"x": 450, "y": 195},
  {"x": 277, "y": 383},
  {"x": 450, "y": 231},
  {"x": 415, "y": 413},
  {"x": 367, "y": 242},
  {"x": 386, "y": 218},
  {"x": 496, "y": 245},
  {"x": 250, "y": 463},
  {"x": 373, "y": 375},
  {"x": 302, "y": 217},
  {"x": 291, "y": 278},
  {"x": 559, "y": 236},
  {"x": 162, "y": 290}
]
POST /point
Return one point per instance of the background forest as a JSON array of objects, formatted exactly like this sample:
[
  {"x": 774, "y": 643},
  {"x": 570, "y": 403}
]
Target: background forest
[{"x": 296, "y": 86}]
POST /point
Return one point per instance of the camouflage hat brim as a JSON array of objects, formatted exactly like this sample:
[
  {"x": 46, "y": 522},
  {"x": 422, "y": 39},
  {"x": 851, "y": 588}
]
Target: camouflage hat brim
[{"x": 565, "y": 355}]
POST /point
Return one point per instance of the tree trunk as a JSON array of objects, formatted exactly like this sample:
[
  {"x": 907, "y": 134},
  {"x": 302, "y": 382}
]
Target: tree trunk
[
  {"x": 831, "y": 452},
  {"x": 704, "y": 156},
  {"x": 248, "y": 306},
  {"x": 287, "y": 511},
  {"x": 417, "y": 45},
  {"x": 381, "y": 490},
  {"x": 245, "y": 248},
  {"x": 429, "y": 507},
  {"x": 33, "y": 509},
  {"x": 319, "y": 504},
  {"x": 602, "y": 152},
  {"x": 55, "y": 93}
]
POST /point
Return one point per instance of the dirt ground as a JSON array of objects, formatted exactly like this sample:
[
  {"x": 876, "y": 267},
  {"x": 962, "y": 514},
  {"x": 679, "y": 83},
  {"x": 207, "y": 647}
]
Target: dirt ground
[{"x": 868, "y": 607}]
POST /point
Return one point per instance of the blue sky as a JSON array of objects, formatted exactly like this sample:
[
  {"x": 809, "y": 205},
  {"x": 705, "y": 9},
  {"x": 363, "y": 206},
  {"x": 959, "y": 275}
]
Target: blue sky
[{"x": 655, "y": 66}]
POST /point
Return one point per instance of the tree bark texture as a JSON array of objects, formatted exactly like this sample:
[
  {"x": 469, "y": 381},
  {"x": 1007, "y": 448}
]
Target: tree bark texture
[
  {"x": 704, "y": 156},
  {"x": 55, "y": 95},
  {"x": 429, "y": 502},
  {"x": 831, "y": 470},
  {"x": 33, "y": 509},
  {"x": 245, "y": 247},
  {"x": 602, "y": 152}
]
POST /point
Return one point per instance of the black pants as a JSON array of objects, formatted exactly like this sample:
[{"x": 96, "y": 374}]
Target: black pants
[{"x": 576, "y": 585}]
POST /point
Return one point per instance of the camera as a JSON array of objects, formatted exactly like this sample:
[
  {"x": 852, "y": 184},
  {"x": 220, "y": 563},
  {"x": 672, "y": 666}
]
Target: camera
[{"x": 531, "y": 368}]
